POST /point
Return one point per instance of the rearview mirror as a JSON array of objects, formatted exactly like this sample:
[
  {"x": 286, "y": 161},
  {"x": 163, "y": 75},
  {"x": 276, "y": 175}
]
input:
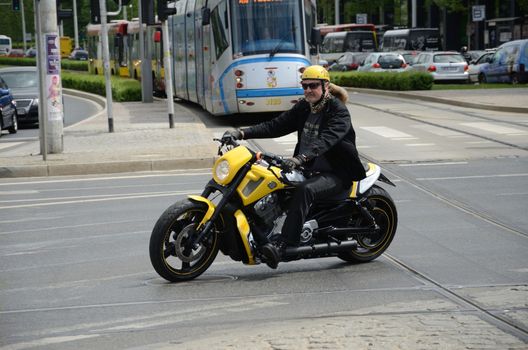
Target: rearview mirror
[{"x": 4, "y": 92}]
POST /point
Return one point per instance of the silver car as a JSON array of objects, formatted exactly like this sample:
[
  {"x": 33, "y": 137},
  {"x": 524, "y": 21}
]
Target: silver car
[
  {"x": 383, "y": 62},
  {"x": 477, "y": 65},
  {"x": 443, "y": 65}
]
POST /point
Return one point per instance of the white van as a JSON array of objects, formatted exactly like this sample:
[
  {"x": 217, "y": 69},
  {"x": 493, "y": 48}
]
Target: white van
[
  {"x": 336, "y": 44},
  {"x": 5, "y": 45}
]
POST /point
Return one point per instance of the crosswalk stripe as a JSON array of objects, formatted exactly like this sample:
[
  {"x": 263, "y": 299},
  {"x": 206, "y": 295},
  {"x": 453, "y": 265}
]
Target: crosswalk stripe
[
  {"x": 494, "y": 128},
  {"x": 385, "y": 131}
]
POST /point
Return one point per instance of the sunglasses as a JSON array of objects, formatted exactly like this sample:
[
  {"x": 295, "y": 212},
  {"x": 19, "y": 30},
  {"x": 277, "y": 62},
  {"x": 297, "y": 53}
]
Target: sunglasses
[{"x": 312, "y": 86}]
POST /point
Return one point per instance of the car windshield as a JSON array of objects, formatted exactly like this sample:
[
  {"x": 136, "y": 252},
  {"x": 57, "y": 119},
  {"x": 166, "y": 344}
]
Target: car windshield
[
  {"x": 390, "y": 61},
  {"x": 448, "y": 58},
  {"x": 20, "y": 79},
  {"x": 266, "y": 26}
]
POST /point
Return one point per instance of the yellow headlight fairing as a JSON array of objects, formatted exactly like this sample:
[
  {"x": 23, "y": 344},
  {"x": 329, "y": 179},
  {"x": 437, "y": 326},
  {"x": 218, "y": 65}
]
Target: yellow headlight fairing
[{"x": 235, "y": 159}]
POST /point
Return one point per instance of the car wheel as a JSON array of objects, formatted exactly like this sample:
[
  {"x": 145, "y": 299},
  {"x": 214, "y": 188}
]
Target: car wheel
[
  {"x": 14, "y": 126},
  {"x": 482, "y": 78}
]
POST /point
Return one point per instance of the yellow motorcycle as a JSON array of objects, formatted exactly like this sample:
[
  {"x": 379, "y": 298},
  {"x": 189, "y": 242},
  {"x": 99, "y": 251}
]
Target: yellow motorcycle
[{"x": 244, "y": 205}]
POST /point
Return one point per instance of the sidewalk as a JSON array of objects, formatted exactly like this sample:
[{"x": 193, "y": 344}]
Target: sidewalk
[{"x": 143, "y": 141}]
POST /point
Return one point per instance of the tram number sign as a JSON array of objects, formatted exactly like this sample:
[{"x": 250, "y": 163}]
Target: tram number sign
[{"x": 273, "y": 101}]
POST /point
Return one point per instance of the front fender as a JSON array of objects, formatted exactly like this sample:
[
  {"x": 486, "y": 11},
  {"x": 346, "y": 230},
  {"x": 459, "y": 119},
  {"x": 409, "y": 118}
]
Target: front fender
[{"x": 210, "y": 208}]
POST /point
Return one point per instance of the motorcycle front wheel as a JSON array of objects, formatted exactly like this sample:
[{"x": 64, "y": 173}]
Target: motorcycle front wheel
[
  {"x": 373, "y": 245},
  {"x": 170, "y": 255}
]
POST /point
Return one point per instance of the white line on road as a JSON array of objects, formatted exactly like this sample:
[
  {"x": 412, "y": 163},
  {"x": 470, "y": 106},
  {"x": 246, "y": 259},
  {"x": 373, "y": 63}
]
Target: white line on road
[
  {"x": 4, "y": 145},
  {"x": 385, "y": 131},
  {"x": 419, "y": 144},
  {"x": 47, "y": 341},
  {"x": 470, "y": 177},
  {"x": 494, "y": 128},
  {"x": 432, "y": 164}
]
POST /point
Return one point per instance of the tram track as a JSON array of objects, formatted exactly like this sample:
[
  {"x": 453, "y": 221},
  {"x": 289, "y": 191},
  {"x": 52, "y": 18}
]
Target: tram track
[
  {"x": 491, "y": 316},
  {"x": 450, "y": 128}
]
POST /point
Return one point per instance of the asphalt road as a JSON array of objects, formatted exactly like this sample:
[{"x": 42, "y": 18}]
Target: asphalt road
[{"x": 75, "y": 270}]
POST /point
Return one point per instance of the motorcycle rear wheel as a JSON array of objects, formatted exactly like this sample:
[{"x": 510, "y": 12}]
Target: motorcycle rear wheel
[
  {"x": 372, "y": 246},
  {"x": 167, "y": 248}
]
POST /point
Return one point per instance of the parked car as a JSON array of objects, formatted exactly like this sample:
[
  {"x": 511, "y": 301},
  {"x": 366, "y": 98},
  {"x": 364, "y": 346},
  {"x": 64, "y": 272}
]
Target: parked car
[
  {"x": 79, "y": 55},
  {"x": 8, "y": 116},
  {"x": 23, "y": 82},
  {"x": 31, "y": 52},
  {"x": 477, "y": 65},
  {"x": 349, "y": 61},
  {"x": 383, "y": 62},
  {"x": 16, "y": 53},
  {"x": 410, "y": 56},
  {"x": 473, "y": 55},
  {"x": 509, "y": 64},
  {"x": 443, "y": 65}
]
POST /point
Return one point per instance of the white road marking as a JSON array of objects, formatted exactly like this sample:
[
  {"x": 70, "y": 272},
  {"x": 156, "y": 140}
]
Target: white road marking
[
  {"x": 494, "y": 128},
  {"x": 419, "y": 144},
  {"x": 47, "y": 341},
  {"x": 9, "y": 144},
  {"x": 470, "y": 177},
  {"x": 432, "y": 164},
  {"x": 385, "y": 131},
  {"x": 437, "y": 130}
]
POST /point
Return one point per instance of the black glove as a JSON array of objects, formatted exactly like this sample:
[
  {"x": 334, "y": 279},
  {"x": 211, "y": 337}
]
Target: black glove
[
  {"x": 236, "y": 134},
  {"x": 291, "y": 163}
]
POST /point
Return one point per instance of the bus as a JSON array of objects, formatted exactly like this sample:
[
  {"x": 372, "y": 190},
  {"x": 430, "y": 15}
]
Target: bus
[
  {"x": 66, "y": 46},
  {"x": 242, "y": 56},
  {"x": 413, "y": 39},
  {"x": 5, "y": 45},
  {"x": 326, "y": 29},
  {"x": 336, "y": 44}
]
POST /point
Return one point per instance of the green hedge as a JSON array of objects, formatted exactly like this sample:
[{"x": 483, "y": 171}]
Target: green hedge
[
  {"x": 123, "y": 89},
  {"x": 29, "y": 61},
  {"x": 403, "y": 81}
]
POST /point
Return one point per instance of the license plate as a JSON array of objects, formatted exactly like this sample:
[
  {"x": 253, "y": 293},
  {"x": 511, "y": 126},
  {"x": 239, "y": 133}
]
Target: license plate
[
  {"x": 451, "y": 69},
  {"x": 273, "y": 101}
]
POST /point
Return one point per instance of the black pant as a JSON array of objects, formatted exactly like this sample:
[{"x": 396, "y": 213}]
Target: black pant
[{"x": 318, "y": 187}]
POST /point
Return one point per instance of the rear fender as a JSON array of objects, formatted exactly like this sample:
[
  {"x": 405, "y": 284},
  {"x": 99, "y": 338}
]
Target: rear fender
[{"x": 373, "y": 175}]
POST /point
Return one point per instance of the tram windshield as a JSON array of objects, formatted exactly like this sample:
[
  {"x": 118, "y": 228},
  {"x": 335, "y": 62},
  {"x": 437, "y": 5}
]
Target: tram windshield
[{"x": 266, "y": 26}]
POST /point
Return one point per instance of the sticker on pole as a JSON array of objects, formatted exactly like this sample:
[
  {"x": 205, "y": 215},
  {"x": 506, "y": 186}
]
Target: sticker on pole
[{"x": 53, "y": 80}]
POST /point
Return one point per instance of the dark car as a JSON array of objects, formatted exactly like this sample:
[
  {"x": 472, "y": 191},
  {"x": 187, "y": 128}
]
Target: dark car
[
  {"x": 79, "y": 55},
  {"x": 8, "y": 117},
  {"x": 23, "y": 82},
  {"x": 349, "y": 61}
]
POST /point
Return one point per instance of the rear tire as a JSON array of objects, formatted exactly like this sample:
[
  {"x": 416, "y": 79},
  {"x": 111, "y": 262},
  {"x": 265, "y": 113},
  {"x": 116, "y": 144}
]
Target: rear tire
[
  {"x": 372, "y": 246},
  {"x": 168, "y": 241}
]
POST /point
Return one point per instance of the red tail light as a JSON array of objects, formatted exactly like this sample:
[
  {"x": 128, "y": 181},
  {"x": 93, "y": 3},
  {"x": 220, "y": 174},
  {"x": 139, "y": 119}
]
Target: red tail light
[
  {"x": 239, "y": 73},
  {"x": 353, "y": 66},
  {"x": 376, "y": 65},
  {"x": 431, "y": 69},
  {"x": 404, "y": 65},
  {"x": 466, "y": 67}
]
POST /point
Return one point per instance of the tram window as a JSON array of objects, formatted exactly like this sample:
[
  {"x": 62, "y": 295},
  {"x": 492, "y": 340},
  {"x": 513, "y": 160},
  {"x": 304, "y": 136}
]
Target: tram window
[{"x": 219, "y": 34}]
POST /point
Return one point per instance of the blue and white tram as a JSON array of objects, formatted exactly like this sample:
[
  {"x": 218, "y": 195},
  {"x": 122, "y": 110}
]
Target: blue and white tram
[{"x": 242, "y": 56}]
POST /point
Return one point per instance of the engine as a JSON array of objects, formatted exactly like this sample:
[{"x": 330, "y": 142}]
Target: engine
[{"x": 268, "y": 209}]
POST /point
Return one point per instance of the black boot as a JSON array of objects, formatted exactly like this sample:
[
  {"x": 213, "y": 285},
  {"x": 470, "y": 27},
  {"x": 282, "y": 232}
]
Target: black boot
[{"x": 272, "y": 253}]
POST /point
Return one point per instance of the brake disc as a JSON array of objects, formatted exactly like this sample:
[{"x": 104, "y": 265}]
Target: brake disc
[{"x": 179, "y": 246}]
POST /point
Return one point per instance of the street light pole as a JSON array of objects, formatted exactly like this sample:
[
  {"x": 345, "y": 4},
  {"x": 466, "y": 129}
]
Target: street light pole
[
  {"x": 106, "y": 66},
  {"x": 75, "y": 26},
  {"x": 23, "y": 24}
]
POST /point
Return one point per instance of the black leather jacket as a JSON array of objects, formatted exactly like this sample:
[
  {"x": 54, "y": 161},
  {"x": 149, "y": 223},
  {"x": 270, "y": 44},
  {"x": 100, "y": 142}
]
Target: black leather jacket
[{"x": 336, "y": 140}]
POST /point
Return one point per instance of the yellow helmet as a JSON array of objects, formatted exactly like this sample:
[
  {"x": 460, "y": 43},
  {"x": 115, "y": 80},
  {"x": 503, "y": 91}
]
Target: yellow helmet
[{"x": 315, "y": 72}]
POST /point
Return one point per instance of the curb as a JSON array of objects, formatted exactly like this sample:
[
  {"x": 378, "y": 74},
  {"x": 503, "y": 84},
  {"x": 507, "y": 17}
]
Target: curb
[
  {"x": 439, "y": 100},
  {"x": 105, "y": 167}
]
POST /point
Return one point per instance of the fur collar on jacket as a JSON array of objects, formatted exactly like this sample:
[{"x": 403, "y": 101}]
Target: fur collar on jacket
[{"x": 338, "y": 92}]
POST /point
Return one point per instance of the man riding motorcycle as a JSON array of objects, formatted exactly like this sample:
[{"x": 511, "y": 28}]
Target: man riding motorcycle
[{"x": 326, "y": 149}]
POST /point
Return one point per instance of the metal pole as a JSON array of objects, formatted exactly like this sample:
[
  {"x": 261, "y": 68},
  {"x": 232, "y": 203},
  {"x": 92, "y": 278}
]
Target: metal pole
[
  {"x": 42, "y": 77},
  {"x": 336, "y": 4},
  {"x": 167, "y": 59},
  {"x": 23, "y": 24},
  {"x": 106, "y": 65},
  {"x": 146, "y": 76},
  {"x": 50, "y": 60},
  {"x": 75, "y": 25},
  {"x": 414, "y": 11}
]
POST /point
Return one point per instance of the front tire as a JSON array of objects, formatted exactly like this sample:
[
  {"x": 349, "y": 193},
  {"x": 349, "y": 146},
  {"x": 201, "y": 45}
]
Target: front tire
[
  {"x": 14, "y": 125},
  {"x": 372, "y": 246},
  {"x": 168, "y": 253}
]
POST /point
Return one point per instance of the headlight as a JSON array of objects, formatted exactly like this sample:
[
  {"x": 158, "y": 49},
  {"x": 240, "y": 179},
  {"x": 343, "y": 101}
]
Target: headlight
[
  {"x": 222, "y": 170},
  {"x": 35, "y": 102}
]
